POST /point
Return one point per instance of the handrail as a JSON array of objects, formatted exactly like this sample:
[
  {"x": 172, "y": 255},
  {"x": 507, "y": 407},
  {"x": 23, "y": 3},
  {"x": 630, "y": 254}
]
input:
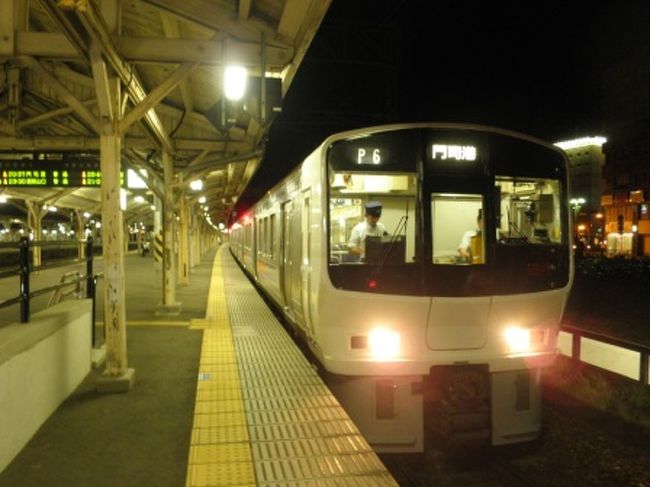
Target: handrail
[
  {"x": 578, "y": 333},
  {"x": 25, "y": 268}
]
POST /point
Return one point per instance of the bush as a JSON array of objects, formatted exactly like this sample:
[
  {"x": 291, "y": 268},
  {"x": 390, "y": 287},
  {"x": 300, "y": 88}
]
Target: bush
[{"x": 615, "y": 269}]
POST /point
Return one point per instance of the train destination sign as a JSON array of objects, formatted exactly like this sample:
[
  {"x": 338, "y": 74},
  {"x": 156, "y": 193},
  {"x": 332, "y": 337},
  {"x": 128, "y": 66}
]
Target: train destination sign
[{"x": 455, "y": 152}]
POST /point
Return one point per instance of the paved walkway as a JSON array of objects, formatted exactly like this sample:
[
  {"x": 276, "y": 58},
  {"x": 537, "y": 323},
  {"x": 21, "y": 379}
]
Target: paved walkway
[{"x": 140, "y": 438}]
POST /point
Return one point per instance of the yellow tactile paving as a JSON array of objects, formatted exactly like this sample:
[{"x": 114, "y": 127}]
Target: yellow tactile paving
[
  {"x": 237, "y": 453},
  {"x": 231, "y": 474},
  {"x": 220, "y": 453}
]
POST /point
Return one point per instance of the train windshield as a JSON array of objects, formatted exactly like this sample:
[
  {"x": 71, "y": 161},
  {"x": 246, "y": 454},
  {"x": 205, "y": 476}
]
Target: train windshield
[{"x": 446, "y": 212}]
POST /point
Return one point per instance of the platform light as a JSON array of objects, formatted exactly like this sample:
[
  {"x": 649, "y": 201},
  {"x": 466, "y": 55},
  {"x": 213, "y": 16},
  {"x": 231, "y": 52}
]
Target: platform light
[
  {"x": 234, "y": 82},
  {"x": 134, "y": 181},
  {"x": 384, "y": 344},
  {"x": 86, "y": 214},
  {"x": 202, "y": 199},
  {"x": 196, "y": 185}
]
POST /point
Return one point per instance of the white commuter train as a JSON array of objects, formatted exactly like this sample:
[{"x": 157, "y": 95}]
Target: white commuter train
[{"x": 413, "y": 336}]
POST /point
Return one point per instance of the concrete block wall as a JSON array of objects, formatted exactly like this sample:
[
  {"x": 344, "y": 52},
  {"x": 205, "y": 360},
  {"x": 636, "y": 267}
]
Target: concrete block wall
[{"x": 41, "y": 364}]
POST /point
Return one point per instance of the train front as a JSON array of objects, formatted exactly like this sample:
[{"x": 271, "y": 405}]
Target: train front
[{"x": 449, "y": 266}]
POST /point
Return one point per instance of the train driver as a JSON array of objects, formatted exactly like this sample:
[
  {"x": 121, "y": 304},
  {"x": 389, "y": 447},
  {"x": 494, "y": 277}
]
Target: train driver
[
  {"x": 370, "y": 227},
  {"x": 465, "y": 247}
]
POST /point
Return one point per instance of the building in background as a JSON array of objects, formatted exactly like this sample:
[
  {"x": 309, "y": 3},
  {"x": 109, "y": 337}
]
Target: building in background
[
  {"x": 626, "y": 196},
  {"x": 586, "y": 162}
]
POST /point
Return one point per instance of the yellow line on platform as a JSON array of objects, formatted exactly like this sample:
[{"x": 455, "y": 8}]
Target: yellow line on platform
[{"x": 220, "y": 452}]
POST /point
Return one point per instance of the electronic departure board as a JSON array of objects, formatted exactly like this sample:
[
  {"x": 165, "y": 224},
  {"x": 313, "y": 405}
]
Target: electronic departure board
[{"x": 51, "y": 170}]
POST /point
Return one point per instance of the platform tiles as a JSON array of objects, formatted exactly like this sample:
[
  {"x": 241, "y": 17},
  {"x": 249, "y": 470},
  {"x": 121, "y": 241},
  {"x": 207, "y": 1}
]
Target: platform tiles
[{"x": 293, "y": 431}]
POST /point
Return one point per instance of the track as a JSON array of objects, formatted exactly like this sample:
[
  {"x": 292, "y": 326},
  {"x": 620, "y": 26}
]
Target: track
[{"x": 579, "y": 447}]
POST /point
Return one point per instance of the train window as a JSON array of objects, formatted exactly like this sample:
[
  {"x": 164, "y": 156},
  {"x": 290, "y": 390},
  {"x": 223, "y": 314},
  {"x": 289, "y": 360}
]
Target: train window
[
  {"x": 457, "y": 229},
  {"x": 271, "y": 236},
  {"x": 528, "y": 210},
  {"x": 354, "y": 239}
]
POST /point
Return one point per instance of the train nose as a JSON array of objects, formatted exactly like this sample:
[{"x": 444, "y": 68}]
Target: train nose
[{"x": 455, "y": 324}]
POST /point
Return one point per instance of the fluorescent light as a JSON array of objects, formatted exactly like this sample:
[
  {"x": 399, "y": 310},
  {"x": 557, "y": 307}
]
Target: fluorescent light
[
  {"x": 133, "y": 180},
  {"x": 234, "y": 82}
]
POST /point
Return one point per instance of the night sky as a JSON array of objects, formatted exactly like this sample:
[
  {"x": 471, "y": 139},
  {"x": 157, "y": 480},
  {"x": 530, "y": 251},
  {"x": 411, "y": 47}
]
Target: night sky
[{"x": 534, "y": 67}]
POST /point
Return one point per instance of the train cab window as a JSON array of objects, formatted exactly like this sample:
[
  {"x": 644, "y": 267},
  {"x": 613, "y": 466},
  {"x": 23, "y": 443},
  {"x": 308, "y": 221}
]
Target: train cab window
[
  {"x": 458, "y": 233},
  {"x": 528, "y": 211},
  {"x": 372, "y": 218}
]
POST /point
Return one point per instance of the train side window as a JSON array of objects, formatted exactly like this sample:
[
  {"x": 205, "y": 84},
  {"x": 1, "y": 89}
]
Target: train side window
[
  {"x": 457, "y": 227},
  {"x": 271, "y": 236}
]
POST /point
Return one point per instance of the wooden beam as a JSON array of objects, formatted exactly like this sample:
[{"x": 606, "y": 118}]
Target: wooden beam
[
  {"x": 170, "y": 27},
  {"x": 244, "y": 10},
  {"x": 211, "y": 15},
  {"x": 160, "y": 50},
  {"x": 309, "y": 25},
  {"x": 146, "y": 50},
  {"x": 70, "y": 142},
  {"x": 292, "y": 18},
  {"x": 7, "y": 23},
  {"x": 43, "y": 117},
  {"x": 96, "y": 28},
  {"x": 156, "y": 96},
  {"x": 100, "y": 76},
  {"x": 62, "y": 91}
]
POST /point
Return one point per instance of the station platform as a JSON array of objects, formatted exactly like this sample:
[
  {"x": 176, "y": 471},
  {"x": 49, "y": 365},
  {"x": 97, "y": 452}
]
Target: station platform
[{"x": 222, "y": 397}]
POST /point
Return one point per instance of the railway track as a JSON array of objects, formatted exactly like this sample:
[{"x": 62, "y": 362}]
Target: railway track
[{"x": 580, "y": 446}]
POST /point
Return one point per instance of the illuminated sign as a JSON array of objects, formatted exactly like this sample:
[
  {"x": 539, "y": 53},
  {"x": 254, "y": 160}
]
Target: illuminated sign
[
  {"x": 368, "y": 156},
  {"x": 23, "y": 178},
  {"x": 51, "y": 170},
  {"x": 455, "y": 152}
]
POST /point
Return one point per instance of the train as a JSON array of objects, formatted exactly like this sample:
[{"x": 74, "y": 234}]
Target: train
[{"x": 412, "y": 336}]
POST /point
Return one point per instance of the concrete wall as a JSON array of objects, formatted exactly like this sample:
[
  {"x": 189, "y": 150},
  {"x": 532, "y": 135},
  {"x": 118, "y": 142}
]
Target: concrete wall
[{"x": 41, "y": 363}]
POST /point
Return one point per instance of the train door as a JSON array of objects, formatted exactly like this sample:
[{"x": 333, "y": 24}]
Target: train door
[
  {"x": 293, "y": 245},
  {"x": 306, "y": 262},
  {"x": 285, "y": 241}
]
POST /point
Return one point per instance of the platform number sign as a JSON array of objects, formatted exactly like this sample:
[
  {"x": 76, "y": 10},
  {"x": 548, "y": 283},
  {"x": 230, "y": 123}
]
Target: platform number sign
[{"x": 369, "y": 156}]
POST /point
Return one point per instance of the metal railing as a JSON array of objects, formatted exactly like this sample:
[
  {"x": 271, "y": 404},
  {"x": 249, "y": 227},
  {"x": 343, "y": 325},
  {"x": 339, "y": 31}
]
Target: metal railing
[
  {"x": 622, "y": 357},
  {"x": 25, "y": 268}
]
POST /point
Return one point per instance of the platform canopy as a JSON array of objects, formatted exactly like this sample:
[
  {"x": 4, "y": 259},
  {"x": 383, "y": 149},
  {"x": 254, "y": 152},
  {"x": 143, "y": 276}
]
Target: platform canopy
[{"x": 60, "y": 57}]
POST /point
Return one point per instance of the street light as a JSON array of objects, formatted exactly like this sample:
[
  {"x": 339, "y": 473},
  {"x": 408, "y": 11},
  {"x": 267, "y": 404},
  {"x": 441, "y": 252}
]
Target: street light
[{"x": 576, "y": 204}]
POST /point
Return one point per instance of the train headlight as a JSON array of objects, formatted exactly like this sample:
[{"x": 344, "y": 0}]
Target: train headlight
[
  {"x": 384, "y": 344},
  {"x": 517, "y": 339}
]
